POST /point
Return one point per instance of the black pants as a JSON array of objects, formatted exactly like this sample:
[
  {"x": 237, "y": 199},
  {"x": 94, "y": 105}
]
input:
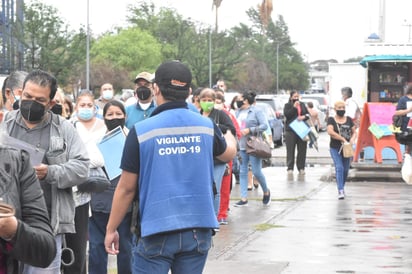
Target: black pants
[
  {"x": 292, "y": 141},
  {"x": 78, "y": 241}
]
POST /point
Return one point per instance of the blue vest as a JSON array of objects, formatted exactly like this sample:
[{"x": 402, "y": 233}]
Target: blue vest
[{"x": 176, "y": 172}]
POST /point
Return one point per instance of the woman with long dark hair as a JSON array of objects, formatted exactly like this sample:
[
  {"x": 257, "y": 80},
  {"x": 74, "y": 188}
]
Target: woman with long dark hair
[
  {"x": 295, "y": 110},
  {"x": 252, "y": 121}
]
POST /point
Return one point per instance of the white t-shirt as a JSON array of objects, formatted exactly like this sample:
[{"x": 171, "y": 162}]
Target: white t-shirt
[{"x": 351, "y": 108}]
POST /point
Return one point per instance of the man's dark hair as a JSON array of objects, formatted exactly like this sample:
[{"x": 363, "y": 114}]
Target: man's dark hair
[
  {"x": 408, "y": 90},
  {"x": 249, "y": 96},
  {"x": 14, "y": 81},
  {"x": 173, "y": 94},
  {"x": 43, "y": 79},
  {"x": 347, "y": 91}
]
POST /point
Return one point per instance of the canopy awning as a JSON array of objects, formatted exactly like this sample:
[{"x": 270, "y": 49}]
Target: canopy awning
[{"x": 385, "y": 58}]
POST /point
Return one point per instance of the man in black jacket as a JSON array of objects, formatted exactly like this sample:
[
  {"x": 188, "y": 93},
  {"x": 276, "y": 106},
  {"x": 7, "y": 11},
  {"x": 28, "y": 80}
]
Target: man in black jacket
[{"x": 25, "y": 236}]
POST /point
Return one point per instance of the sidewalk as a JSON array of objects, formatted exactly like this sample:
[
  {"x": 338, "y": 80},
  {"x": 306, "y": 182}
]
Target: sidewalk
[
  {"x": 307, "y": 230},
  {"x": 313, "y": 156}
]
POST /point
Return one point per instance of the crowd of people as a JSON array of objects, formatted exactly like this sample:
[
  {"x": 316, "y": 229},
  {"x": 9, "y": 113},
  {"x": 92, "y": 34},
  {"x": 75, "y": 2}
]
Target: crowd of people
[{"x": 183, "y": 151}]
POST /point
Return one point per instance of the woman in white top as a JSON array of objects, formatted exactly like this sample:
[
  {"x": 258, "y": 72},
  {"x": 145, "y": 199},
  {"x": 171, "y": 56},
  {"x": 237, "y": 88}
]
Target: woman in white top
[{"x": 91, "y": 130}]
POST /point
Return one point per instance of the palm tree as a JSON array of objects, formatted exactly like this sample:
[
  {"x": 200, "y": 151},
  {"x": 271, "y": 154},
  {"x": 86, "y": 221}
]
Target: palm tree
[
  {"x": 265, "y": 10},
  {"x": 216, "y": 3}
]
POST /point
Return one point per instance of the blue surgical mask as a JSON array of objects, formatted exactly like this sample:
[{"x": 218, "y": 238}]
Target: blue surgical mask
[
  {"x": 85, "y": 113},
  {"x": 107, "y": 94}
]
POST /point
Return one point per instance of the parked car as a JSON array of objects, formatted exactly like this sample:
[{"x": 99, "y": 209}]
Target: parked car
[
  {"x": 275, "y": 123},
  {"x": 277, "y": 102},
  {"x": 322, "y": 116}
]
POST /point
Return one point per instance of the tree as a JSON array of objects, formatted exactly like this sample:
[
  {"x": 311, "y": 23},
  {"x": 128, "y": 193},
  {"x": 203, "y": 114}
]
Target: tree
[
  {"x": 49, "y": 44},
  {"x": 188, "y": 41},
  {"x": 123, "y": 56}
]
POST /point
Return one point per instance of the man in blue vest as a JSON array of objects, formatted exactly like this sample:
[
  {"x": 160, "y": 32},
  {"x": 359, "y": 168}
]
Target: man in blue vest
[{"x": 172, "y": 177}]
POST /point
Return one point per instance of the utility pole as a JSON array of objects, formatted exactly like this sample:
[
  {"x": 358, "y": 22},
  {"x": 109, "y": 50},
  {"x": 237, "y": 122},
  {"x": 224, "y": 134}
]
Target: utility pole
[{"x": 409, "y": 25}]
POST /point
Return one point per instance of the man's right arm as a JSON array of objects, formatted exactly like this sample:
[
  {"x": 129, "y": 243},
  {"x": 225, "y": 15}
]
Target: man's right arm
[{"x": 122, "y": 199}]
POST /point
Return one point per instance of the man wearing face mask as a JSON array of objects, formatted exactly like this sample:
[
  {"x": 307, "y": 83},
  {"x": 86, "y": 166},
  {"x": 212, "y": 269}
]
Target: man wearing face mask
[
  {"x": 145, "y": 104},
  {"x": 106, "y": 94},
  {"x": 65, "y": 162},
  {"x": 12, "y": 88}
]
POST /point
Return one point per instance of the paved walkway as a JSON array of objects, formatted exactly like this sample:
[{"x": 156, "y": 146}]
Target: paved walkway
[{"x": 307, "y": 230}]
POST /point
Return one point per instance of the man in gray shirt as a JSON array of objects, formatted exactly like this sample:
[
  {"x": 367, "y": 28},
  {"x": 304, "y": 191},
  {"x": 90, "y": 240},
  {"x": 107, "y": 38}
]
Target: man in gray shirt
[{"x": 65, "y": 163}]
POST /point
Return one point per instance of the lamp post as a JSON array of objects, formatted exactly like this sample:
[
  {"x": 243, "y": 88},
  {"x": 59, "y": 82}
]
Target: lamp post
[{"x": 278, "y": 44}]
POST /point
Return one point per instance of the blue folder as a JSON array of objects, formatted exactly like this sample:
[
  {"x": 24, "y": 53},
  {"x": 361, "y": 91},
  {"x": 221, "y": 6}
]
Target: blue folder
[
  {"x": 111, "y": 147},
  {"x": 300, "y": 128}
]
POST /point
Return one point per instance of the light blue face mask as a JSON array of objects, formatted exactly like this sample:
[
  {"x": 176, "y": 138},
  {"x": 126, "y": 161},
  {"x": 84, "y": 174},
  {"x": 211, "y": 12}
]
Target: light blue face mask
[{"x": 85, "y": 113}]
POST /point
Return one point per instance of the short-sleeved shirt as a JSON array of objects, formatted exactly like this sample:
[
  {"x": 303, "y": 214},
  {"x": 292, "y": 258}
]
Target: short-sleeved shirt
[
  {"x": 344, "y": 130},
  {"x": 402, "y": 104}
]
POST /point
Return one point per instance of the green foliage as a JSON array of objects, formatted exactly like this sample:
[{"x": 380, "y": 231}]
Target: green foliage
[
  {"x": 131, "y": 49},
  {"x": 49, "y": 45},
  {"x": 244, "y": 56}
]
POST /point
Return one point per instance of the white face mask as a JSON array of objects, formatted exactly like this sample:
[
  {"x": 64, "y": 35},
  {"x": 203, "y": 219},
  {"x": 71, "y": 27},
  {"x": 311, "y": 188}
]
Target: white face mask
[
  {"x": 218, "y": 106},
  {"x": 107, "y": 94},
  {"x": 144, "y": 106}
]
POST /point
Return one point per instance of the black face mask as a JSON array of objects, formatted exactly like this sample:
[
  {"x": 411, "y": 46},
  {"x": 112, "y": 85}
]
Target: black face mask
[
  {"x": 294, "y": 100},
  {"x": 143, "y": 93},
  {"x": 340, "y": 113},
  {"x": 57, "y": 109},
  {"x": 239, "y": 104},
  {"x": 16, "y": 104},
  {"x": 32, "y": 110},
  {"x": 114, "y": 123}
]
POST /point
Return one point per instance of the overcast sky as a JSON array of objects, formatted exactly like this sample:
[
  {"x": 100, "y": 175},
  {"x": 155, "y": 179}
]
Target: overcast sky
[{"x": 321, "y": 29}]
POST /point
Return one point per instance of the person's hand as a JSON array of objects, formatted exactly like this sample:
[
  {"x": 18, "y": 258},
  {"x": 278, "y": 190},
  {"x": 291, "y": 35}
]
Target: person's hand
[
  {"x": 111, "y": 242},
  {"x": 245, "y": 131},
  {"x": 296, "y": 104},
  {"x": 41, "y": 171},
  {"x": 301, "y": 118},
  {"x": 8, "y": 227}
]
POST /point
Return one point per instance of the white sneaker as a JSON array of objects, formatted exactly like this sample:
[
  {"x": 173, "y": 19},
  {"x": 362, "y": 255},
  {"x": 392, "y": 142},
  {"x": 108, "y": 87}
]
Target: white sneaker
[
  {"x": 341, "y": 195},
  {"x": 290, "y": 172}
]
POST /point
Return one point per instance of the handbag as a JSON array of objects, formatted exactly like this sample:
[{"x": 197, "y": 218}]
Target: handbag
[
  {"x": 406, "y": 169},
  {"x": 256, "y": 146},
  {"x": 96, "y": 182},
  {"x": 347, "y": 150}
]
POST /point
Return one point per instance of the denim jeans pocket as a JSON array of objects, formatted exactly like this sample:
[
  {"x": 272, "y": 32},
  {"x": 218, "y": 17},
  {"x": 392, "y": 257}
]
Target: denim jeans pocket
[
  {"x": 151, "y": 246},
  {"x": 203, "y": 238}
]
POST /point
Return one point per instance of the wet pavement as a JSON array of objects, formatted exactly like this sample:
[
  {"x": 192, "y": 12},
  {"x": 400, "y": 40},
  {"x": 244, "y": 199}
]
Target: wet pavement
[{"x": 306, "y": 229}]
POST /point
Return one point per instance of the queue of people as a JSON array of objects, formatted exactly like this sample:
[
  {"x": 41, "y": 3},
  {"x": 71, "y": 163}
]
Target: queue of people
[{"x": 156, "y": 125}]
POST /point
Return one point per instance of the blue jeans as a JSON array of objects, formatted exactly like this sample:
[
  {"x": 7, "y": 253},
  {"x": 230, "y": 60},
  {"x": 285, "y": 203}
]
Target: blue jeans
[
  {"x": 341, "y": 167},
  {"x": 218, "y": 172},
  {"x": 256, "y": 164},
  {"x": 54, "y": 267},
  {"x": 181, "y": 251},
  {"x": 97, "y": 252}
]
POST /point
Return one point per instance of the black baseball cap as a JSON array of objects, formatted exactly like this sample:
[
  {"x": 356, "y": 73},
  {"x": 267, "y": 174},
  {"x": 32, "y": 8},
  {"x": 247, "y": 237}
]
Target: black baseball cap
[{"x": 173, "y": 74}]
